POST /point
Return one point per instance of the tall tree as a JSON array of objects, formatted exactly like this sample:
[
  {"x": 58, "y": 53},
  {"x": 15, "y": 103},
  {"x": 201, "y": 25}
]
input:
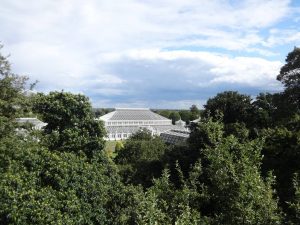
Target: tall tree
[
  {"x": 71, "y": 125},
  {"x": 234, "y": 106},
  {"x": 174, "y": 116},
  {"x": 11, "y": 98},
  {"x": 194, "y": 112},
  {"x": 185, "y": 115},
  {"x": 282, "y": 155},
  {"x": 140, "y": 159},
  {"x": 290, "y": 77},
  {"x": 164, "y": 113},
  {"x": 237, "y": 192}
]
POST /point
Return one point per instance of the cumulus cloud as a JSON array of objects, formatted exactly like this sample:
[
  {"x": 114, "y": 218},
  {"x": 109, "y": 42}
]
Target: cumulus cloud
[
  {"x": 148, "y": 53},
  {"x": 177, "y": 76}
]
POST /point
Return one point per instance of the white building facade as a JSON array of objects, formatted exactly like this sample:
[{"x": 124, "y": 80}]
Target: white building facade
[{"x": 123, "y": 122}]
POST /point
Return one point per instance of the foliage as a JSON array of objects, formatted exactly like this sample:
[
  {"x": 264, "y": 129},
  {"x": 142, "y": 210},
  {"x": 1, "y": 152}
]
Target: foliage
[
  {"x": 238, "y": 194},
  {"x": 233, "y": 106},
  {"x": 164, "y": 204},
  {"x": 238, "y": 130},
  {"x": 119, "y": 146},
  {"x": 174, "y": 116},
  {"x": 194, "y": 112},
  {"x": 11, "y": 98},
  {"x": 71, "y": 125},
  {"x": 165, "y": 113},
  {"x": 185, "y": 115},
  {"x": 101, "y": 111},
  {"x": 295, "y": 204},
  {"x": 281, "y": 155},
  {"x": 139, "y": 160},
  {"x": 290, "y": 77},
  {"x": 39, "y": 186}
]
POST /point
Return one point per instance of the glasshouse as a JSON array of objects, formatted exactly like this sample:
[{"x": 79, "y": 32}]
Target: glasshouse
[{"x": 123, "y": 122}]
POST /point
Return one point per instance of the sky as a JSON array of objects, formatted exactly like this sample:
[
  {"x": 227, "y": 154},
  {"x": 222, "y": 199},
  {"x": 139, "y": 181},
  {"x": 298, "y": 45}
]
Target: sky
[{"x": 150, "y": 53}]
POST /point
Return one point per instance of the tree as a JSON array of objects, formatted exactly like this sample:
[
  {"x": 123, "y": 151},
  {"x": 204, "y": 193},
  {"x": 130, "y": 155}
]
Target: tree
[
  {"x": 233, "y": 106},
  {"x": 71, "y": 126},
  {"x": 294, "y": 205},
  {"x": 164, "y": 204},
  {"x": 174, "y": 116},
  {"x": 119, "y": 146},
  {"x": 204, "y": 134},
  {"x": 185, "y": 115},
  {"x": 165, "y": 113},
  {"x": 140, "y": 159},
  {"x": 194, "y": 112},
  {"x": 281, "y": 155},
  {"x": 39, "y": 186},
  {"x": 290, "y": 77},
  {"x": 237, "y": 192},
  {"x": 11, "y": 98}
]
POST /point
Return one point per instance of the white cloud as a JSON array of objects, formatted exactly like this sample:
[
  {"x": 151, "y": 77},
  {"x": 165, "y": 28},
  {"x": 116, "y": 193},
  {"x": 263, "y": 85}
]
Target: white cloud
[
  {"x": 252, "y": 71},
  {"x": 92, "y": 25},
  {"x": 282, "y": 37},
  {"x": 122, "y": 49}
]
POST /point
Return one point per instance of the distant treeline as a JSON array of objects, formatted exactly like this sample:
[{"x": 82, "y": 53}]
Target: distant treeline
[{"x": 173, "y": 114}]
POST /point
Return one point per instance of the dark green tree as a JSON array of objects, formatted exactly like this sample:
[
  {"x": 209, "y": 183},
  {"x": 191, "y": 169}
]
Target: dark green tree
[
  {"x": 194, "y": 112},
  {"x": 290, "y": 77},
  {"x": 295, "y": 204},
  {"x": 174, "y": 116},
  {"x": 140, "y": 159},
  {"x": 11, "y": 98},
  {"x": 233, "y": 106},
  {"x": 237, "y": 192},
  {"x": 39, "y": 186},
  {"x": 71, "y": 125},
  {"x": 165, "y": 113},
  {"x": 164, "y": 204},
  {"x": 185, "y": 115},
  {"x": 281, "y": 155}
]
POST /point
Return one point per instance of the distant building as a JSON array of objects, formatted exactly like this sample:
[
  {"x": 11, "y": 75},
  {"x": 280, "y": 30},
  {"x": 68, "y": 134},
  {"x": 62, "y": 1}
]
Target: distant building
[
  {"x": 175, "y": 136},
  {"x": 123, "y": 122},
  {"x": 180, "y": 123},
  {"x": 196, "y": 120}
]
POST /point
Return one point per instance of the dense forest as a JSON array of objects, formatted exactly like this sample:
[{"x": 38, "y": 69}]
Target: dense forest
[{"x": 240, "y": 165}]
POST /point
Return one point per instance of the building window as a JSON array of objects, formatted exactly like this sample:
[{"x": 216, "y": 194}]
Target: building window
[
  {"x": 119, "y": 135},
  {"x": 125, "y": 135}
]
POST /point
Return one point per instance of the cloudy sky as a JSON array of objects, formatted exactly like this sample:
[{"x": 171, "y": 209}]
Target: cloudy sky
[{"x": 150, "y": 53}]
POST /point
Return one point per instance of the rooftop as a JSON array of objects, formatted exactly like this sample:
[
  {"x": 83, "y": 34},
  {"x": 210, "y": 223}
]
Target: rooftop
[{"x": 132, "y": 114}]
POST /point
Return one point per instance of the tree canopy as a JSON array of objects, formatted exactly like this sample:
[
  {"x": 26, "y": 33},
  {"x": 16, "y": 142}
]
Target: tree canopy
[
  {"x": 71, "y": 125},
  {"x": 234, "y": 107}
]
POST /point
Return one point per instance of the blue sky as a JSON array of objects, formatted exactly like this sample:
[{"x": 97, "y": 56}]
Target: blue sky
[{"x": 150, "y": 53}]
